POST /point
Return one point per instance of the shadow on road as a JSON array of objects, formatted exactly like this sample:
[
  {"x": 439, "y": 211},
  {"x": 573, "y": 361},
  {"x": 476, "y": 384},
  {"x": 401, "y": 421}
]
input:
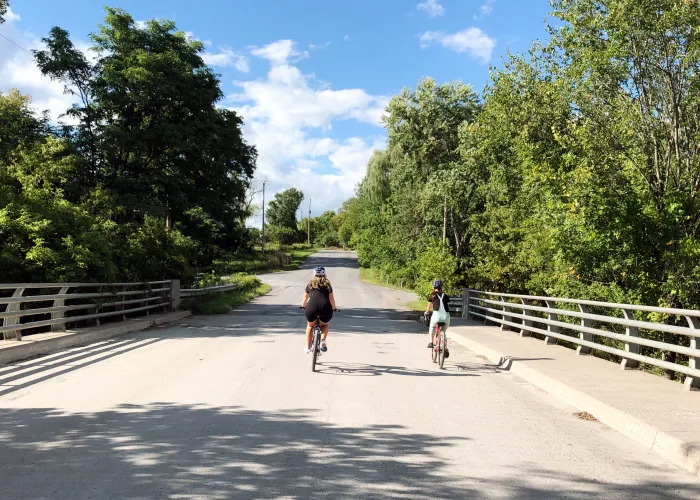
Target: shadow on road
[
  {"x": 166, "y": 450},
  {"x": 27, "y": 373},
  {"x": 331, "y": 259},
  {"x": 258, "y": 318},
  {"x": 362, "y": 369}
]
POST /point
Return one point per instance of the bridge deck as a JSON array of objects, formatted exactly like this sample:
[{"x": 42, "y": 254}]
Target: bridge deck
[{"x": 227, "y": 407}]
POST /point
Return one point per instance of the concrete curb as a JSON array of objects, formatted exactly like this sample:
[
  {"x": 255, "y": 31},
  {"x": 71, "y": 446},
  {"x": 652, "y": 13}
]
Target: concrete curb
[
  {"x": 51, "y": 343},
  {"x": 681, "y": 453}
]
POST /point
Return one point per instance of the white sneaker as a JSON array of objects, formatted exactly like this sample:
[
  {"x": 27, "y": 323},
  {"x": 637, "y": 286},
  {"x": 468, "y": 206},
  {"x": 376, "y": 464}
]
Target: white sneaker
[{"x": 307, "y": 350}]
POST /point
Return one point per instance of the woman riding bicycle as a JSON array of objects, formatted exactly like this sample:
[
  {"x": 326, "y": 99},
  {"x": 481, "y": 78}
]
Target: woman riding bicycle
[
  {"x": 440, "y": 304},
  {"x": 319, "y": 304}
]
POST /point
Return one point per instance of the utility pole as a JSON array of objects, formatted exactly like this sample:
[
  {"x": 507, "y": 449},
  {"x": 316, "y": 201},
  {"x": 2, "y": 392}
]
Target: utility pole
[
  {"x": 263, "y": 220},
  {"x": 308, "y": 234},
  {"x": 444, "y": 223}
]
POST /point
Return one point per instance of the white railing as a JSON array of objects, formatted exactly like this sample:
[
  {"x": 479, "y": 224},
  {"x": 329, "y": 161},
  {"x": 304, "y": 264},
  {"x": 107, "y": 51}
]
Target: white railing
[
  {"x": 42, "y": 306},
  {"x": 525, "y": 315}
]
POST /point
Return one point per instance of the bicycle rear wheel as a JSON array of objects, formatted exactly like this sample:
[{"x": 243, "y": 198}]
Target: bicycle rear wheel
[
  {"x": 436, "y": 341},
  {"x": 314, "y": 348},
  {"x": 441, "y": 351}
]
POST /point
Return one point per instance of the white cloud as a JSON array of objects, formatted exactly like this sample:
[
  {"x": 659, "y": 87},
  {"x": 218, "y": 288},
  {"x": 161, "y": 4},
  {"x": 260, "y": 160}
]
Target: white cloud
[
  {"x": 471, "y": 40},
  {"x": 314, "y": 46},
  {"x": 431, "y": 7},
  {"x": 279, "y": 52},
  {"x": 485, "y": 9},
  {"x": 346, "y": 38},
  {"x": 226, "y": 57},
  {"x": 11, "y": 17},
  {"x": 18, "y": 70},
  {"x": 288, "y": 116}
]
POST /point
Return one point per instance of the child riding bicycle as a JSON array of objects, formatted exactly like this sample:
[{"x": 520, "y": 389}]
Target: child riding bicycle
[{"x": 440, "y": 305}]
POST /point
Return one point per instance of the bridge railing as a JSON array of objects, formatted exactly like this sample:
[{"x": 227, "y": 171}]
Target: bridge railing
[
  {"x": 38, "y": 307},
  {"x": 196, "y": 292},
  {"x": 536, "y": 314}
]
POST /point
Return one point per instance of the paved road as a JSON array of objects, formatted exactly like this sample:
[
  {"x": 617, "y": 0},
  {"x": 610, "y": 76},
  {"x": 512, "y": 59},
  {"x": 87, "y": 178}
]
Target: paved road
[{"x": 227, "y": 407}]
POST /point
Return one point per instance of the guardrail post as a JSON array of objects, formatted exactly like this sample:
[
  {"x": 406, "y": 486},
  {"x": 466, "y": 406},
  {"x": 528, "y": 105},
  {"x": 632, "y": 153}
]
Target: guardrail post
[
  {"x": 174, "y": 295},
  {"x": 465, "y": 303},
  {"x": 551, "y": 328},
  {"x": 13, "y": 307},
  {"x": 630, "y": 331},
  {"x": 585, "y": 322},
  {"x": 503, "y": 316},
  {"x": 693, "y": 383},
  {"x": 527, "y": 323},
  {"x": 59, "y": 327}
]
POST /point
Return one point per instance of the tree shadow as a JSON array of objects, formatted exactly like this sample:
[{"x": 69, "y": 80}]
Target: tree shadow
[
  {"x": 168, "y": 450},
  {"x": 330, "y": 259},
  {"x": 259, "y": 318}
]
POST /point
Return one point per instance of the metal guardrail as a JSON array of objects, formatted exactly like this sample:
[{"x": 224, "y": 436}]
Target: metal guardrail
[
  {"x": 525, "y": 315},
  {"x": 52, "y": 306},
  {"x": 196, "y": 292}
]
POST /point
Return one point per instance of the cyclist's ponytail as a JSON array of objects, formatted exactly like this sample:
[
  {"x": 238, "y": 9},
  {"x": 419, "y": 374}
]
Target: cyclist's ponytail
[{"x": 320, "y": 282}]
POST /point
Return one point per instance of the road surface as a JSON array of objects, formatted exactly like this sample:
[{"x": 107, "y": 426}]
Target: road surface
[{"x": 227, "y": 407}]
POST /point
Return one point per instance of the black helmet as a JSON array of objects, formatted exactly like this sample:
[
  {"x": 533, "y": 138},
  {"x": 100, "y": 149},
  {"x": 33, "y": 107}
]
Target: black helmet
[{"x": 437, "y": 284}]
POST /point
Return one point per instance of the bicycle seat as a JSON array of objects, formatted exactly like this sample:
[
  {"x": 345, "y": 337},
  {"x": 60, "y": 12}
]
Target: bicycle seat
[{"x": 440, "y": 323}]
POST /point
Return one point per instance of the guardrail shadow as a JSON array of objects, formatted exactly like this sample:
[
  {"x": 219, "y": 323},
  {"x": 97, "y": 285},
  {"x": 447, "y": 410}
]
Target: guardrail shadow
[
  {"x": 23, "y": 374},
  {"x": 167, "y": 450}
]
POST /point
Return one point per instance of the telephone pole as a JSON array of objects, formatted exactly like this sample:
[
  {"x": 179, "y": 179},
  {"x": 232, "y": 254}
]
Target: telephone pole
[
  {"x": 444, "y": 223},
  {"x": 308, "y": 234},
  {"x": 263, "y": 220}
]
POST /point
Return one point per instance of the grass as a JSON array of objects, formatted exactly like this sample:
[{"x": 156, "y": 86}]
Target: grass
[
  {"x": 223, "y": 303},
  {"x": 417, "y": 305},
  {"x": 373, "y": 277},
  {"x": 273, "y": 260},
  {"x": 298, "y": 256}
]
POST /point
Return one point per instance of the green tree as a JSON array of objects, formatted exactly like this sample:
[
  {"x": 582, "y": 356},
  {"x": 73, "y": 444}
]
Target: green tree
[
  {"x": 4, "y": 4},
  {"x": 151, "y": 139},
  {"x": 283, "y": 208}
]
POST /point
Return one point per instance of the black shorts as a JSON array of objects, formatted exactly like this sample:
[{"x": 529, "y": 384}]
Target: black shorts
[{"x": 324, "y": 312}]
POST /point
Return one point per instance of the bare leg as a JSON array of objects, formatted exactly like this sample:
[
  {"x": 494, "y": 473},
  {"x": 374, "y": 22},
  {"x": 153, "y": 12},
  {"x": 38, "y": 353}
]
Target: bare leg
[
  {"x": 324, "y": 331},
  {"x": 309, "y": 328}
]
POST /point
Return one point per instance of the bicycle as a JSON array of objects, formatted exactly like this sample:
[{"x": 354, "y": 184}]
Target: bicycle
[
  {"x": 439, "y": 345},
  {"x": 316, "y": 342},
  {"x": 439, "y": 351}
]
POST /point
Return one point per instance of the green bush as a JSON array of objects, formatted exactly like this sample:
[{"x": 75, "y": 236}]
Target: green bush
[{"x": 436, "y": 262}]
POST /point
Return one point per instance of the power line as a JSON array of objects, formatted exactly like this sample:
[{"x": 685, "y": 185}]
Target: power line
[{"x": 15, "y": 44}]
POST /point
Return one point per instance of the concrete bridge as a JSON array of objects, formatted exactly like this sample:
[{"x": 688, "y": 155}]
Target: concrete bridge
[{"x": 227, "y": 407}]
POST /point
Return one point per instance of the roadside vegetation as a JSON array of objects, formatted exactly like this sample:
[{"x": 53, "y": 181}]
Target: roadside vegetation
[
  {"x": 223, "y": 302},
  {"x": 575, "y": 173}
]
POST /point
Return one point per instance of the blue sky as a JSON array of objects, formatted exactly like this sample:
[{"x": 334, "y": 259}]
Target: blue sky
[{"x": 310, "y": 77}]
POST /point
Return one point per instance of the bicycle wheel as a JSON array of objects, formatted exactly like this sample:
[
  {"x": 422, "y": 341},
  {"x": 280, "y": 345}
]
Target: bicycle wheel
[
  {"x": 436, "y": 341},
  {"x": 314, "y": 349},
  {"x": 441, "y": 351}
]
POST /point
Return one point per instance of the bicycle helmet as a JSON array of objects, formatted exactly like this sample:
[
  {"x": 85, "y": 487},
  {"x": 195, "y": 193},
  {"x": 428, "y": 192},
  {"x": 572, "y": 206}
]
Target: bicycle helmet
[
  {"x": 437, "y": 284},
  {"x": 319, "y": 272}
]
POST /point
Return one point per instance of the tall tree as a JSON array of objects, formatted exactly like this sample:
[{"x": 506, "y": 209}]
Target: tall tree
[
  {"x": 283, "y": 209},
  {"x": 150, "y": 132}
]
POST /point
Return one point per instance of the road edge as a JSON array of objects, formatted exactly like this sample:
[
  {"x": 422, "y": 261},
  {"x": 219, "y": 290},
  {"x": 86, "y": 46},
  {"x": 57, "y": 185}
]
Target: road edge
[
  {"x": 45, "y": 344},
  {"x": 680, "y": 452}
]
